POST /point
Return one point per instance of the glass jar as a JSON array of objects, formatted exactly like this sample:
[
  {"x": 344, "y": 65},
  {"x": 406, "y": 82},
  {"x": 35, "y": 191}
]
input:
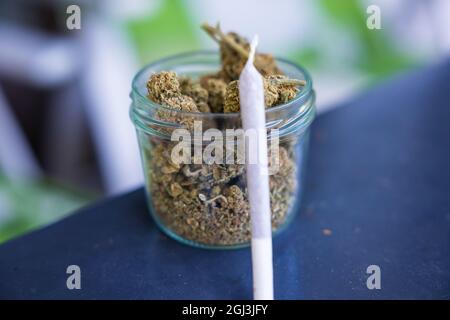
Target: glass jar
[{"x": 204, "y": 203}]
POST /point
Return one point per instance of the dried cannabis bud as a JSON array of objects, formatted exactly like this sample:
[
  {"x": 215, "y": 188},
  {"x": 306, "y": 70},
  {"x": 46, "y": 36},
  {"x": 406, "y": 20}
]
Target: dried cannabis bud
[
  {"x": 231, "y": 101},
  {"x": 219, "y": 92},
  {"x": 232, "y": 104},
  {"x": 286, "y": 88},
  {"x": 216, "y": 92},
  {"x": 182, "y": 103},
  {"x": 278, "y": 89},
  {"x": 234, "y": 51},
  {"x": 163, "y": 85},
  {"x": 165, "y": 88},
  {"x": 195, "y": 90}
]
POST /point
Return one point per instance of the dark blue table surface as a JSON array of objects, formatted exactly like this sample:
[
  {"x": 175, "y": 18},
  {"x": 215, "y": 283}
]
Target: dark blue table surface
[{"x": 378, "y": 178}]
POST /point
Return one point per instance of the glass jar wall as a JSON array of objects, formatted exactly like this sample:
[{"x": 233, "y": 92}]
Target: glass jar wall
[{"x": 194, "y": 162}]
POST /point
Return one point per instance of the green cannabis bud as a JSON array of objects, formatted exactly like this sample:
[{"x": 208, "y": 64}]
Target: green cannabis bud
[
  {"x": 234, "y": 51},
  {"x": 195, "y": 90},
  {"x": 163, "y": 85},
  {"x": 286, "y": 88},
  {"x": 216, "y": 93},
  {"x": 182, "y": 103},
  {"x": 278, "y": 89}
]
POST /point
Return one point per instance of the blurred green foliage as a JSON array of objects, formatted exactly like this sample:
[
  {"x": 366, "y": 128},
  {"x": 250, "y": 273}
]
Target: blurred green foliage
[
  {"x": 167, "y": 31},
  {"x": 26, "y": 206},
  {"x": 378, "y": 56},
  {"x": 171, "y": 30}
]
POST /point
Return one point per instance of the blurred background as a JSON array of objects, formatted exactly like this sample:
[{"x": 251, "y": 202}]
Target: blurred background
[{"x": 65, "y": 136}]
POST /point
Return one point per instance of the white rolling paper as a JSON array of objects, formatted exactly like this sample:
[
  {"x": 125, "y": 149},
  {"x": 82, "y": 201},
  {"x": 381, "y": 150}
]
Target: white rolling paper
[{"x": 251, "y": 95}]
